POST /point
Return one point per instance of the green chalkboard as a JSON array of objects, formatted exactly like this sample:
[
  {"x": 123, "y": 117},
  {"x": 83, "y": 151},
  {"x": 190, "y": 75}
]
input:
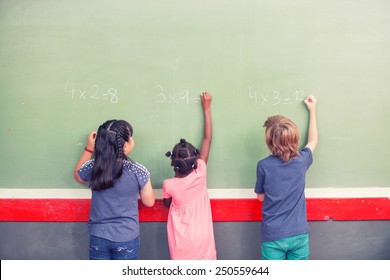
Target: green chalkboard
[{"x": 66, "y": 66}]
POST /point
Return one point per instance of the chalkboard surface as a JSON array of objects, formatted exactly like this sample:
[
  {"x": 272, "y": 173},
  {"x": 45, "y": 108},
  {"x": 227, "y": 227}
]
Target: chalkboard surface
[{"x": 67, "y": 66}]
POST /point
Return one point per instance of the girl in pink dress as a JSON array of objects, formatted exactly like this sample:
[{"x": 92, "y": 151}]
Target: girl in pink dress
[{"x": 190, "y": 225}]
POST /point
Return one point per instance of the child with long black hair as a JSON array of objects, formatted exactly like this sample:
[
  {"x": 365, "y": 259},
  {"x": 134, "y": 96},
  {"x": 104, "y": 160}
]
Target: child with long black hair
[{"x": 116, "y": 182}]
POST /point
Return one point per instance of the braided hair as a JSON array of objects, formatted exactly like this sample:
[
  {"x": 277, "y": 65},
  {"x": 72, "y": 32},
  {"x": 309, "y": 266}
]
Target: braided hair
[
  {"x": 108, "y": 153},
  {"x": 184, "y": 156}
]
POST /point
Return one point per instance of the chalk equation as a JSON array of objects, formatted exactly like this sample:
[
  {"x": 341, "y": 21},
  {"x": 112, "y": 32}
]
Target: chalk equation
[
  {"x": 271, "y": 97},
  {"x": 275, "y": 97},
  {"x": 180, "y": 97},
  {"x": 94, "y": 92}
]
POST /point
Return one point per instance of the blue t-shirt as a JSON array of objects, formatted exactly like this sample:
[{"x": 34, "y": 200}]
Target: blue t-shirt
[
  {"x": 284, "y": 205},
  {"x": 114, "y": 211}
]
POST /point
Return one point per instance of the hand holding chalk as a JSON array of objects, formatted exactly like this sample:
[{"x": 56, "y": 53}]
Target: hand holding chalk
[
  {"x": 91, "y": 140},
  {"x": 206, "y": 100},
  {"x": 311, "y": 102}
]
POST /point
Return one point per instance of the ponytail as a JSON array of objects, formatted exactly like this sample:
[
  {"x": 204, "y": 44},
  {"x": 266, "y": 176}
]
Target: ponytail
[{"x": 109, "y": 155}]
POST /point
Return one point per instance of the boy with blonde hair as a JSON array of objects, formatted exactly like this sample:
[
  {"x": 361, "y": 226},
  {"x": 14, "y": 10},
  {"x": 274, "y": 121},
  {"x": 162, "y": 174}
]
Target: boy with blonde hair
[{"x": 280, "y": 185}]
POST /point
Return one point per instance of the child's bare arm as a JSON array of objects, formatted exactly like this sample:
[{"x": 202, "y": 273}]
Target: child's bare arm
[
  {"x": 260, "y": 196},
  {"x": 147, "y": 195},
  {"x": 208, "y": 130},
  {"x": 85, "y": 156},
  {"x": 167, "y": 202},
  {"x": 312, "y": 139}
]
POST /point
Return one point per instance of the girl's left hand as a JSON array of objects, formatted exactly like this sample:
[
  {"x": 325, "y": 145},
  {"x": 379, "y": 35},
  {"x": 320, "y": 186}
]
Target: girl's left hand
[{"x": 91, "y": 140}]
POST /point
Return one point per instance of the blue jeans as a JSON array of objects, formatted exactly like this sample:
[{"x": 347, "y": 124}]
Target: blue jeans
[
  {"x": 103, "y": 249},
  {"x": 290, "y": 248}
]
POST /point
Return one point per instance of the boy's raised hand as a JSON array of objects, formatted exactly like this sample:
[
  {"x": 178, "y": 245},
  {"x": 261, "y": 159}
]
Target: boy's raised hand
[
  {"x": 311, "y": 102},
  {"x": 312, "y": 138}
]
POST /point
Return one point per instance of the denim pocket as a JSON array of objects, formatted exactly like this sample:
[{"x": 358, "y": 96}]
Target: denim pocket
[
  {"x": 99, "y": 248},
  {"x": 104, "y": 249},
  {"x": 126, "y": 250}
]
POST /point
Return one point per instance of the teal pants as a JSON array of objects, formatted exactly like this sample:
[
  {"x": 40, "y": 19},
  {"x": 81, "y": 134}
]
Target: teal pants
[{"x": 290, "y": 248}]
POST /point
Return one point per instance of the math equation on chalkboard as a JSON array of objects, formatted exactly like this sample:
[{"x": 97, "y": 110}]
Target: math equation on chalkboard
[
  {"x": 276, "y": 97},
  {"x": 93, "y": 92},
  {"x": 261, "y": 97},
  {"x": 182, "y": 96}
]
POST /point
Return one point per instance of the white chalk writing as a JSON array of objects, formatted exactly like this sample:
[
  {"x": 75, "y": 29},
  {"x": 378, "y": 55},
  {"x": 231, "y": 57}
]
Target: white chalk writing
[
  {"x": 275, "y": 97},
  {"x": 180, "y": 97},
  {"x": 263, "y": 97},
  {"x": 93, "y": 92}
]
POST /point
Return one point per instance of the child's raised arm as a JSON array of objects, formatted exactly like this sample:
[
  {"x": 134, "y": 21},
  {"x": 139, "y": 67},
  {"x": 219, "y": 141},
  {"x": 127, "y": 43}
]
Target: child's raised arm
[
  {"x": 87, "y": 153},
  {"x": 208, "y": 130},
  {"x": 312, "y": 139}
]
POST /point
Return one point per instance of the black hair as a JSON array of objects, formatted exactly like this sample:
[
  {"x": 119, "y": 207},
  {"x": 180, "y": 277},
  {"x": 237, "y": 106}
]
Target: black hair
[
  {"x": 183, "y": 156},
  {"x": 110, "y": 139}
]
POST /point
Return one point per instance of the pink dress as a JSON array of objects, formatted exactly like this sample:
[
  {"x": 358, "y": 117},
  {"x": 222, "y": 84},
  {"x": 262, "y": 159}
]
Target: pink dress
[{"x": 190, "y": 225}]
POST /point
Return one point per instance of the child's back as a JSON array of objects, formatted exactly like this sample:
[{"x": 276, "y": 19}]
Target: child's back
[
  {"x": 280, "y": 185},
  {"x": 284, "y": 206},
  {"x": 190, "y": 225},
  {"x": 116, "y": 182}
]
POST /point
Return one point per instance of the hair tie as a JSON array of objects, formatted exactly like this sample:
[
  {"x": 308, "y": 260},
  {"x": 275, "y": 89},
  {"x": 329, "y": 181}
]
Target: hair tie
[
  {"x": 108, "y": 128},
  {"x": 183, "y": 142}
]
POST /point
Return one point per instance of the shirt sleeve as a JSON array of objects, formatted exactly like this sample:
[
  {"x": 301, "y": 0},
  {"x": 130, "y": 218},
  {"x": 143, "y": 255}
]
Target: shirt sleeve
[
  {"x": 85, "y": 171},
  {"x": 259, "y": 187},
  {"x": 141, "y": 173},
  {"x": 202, "y": 167},
  {"x": 307, "y": 157},
  {"x": 165, "y": 190}
]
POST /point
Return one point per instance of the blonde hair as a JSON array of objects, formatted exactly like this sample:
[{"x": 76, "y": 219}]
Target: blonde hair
[{"x": 282, "y": 137}]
